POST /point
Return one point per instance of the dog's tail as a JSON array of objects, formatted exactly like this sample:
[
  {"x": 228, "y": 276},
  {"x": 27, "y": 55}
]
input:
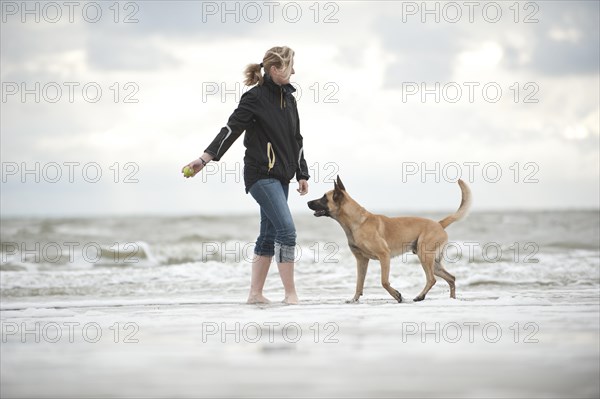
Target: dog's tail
[{"x": 462, "y": 210}]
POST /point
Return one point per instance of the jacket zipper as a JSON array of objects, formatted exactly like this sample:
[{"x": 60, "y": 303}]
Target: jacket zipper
[{"x": 282, "y": 103}]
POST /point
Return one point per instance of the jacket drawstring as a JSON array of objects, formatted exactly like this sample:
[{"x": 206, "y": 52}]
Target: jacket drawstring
[{"x": 270, "y": 156}]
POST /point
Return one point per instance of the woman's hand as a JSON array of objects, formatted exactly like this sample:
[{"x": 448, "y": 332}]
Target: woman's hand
[
  {"x": 197, "y": 165},
  {"x": 302, "y": 187}
]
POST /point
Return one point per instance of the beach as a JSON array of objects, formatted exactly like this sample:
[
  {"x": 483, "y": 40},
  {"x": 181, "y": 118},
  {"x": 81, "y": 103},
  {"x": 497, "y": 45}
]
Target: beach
[{"x": 159, "y": 310}]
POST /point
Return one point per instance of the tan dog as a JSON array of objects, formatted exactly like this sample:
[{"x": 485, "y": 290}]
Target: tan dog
[{"x": 381, "y": 238}]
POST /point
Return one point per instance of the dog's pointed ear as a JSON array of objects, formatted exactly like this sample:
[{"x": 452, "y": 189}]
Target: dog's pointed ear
[
  {"x": 340, "y": 184},
  {"x": 338, "y": 190}
]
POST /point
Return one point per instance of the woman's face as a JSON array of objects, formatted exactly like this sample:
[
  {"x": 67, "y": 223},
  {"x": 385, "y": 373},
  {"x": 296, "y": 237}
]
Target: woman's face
[{"x": 279, "y": 76}]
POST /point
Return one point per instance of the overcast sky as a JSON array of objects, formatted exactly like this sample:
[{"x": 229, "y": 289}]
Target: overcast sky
[{"x": 397, "y": 99}]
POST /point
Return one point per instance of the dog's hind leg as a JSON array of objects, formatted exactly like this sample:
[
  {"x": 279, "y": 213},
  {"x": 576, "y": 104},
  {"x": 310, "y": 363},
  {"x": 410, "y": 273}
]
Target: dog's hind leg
[
  {"x": 361, "y": 272},
  {"x": 443, "y": 273},
  {"x": 427, "y": 259},
  {"x": 385, "y": 277}
]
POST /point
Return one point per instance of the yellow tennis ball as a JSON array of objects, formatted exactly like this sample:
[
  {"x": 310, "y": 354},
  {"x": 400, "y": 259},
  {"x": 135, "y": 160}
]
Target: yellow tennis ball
[{"x": 188, "y": 172}]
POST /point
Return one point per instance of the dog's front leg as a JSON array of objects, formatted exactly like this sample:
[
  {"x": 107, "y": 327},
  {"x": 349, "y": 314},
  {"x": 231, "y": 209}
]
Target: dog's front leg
[
  {"x": 362, "y": 264},
  {"x": 385, "y": 277}
]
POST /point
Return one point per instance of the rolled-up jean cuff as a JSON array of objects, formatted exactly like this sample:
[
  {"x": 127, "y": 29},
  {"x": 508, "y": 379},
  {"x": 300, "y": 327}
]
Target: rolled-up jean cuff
[
  {"x": 263, "y": 252},
  {"x": 285, "y": 253}
]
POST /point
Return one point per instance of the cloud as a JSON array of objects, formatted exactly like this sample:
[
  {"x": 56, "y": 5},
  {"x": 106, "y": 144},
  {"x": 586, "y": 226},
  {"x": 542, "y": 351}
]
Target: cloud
[
  {"x": 210, "y": 20},
  {"x": 367, "y": 134},
  {"x": 557, "y": 41},
  {"x": 422, "y": 52},
  {"x": 114, "y": 52},
  {"x": 566, "y": 40}
]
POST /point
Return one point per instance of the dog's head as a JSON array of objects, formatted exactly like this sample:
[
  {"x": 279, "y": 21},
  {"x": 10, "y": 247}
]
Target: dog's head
[{"x": 330, "y": 203}]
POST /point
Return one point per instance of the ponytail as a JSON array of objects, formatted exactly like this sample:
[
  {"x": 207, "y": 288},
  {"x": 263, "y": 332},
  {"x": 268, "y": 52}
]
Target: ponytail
[{"x": 253, "y": 75}]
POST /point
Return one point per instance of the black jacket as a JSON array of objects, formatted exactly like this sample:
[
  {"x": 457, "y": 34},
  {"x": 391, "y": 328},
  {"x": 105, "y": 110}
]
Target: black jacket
[{"x": 273, "y": 142}]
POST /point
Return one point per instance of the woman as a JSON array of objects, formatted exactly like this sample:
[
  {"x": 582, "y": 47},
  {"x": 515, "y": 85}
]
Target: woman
[{"x": 274, "y": 155}]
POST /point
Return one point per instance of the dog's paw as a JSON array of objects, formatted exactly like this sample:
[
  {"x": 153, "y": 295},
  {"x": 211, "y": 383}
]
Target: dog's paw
[
  {"x": 419, "y": 298},
  {"x": 399, "y": 297},
  {"x": 353, "y": 300}
]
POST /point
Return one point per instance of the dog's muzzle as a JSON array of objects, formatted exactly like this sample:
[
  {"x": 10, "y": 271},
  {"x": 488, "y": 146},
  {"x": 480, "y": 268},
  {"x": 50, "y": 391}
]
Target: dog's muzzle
[{"x": 318, "y": 207}]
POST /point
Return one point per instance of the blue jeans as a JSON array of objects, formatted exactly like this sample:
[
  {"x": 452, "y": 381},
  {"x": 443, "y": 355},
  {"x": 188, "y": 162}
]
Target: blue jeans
[{"x": 277, "y": 231}]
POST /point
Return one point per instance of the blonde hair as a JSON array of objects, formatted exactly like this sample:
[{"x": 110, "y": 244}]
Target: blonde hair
[{"x": 279, "y": 57}]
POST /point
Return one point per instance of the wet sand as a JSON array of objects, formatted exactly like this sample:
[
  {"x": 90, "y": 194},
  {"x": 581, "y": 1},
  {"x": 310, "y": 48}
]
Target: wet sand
[{"x": 479, "y": 345}]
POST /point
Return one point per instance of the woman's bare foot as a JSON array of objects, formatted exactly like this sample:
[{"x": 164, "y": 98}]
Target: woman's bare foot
[
  {"x": 291, "y": 299},
  {"x": 259, "y": 298}
]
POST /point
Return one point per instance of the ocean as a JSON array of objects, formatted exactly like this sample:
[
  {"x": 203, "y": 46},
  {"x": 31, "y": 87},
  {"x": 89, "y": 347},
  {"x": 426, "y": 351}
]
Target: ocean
[
  {"x": 207, "y": 258},
  {"x": 175, "y": 286}
]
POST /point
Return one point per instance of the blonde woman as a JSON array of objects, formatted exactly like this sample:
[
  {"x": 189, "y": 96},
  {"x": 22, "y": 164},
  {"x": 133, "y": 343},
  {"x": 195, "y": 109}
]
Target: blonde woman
[{"x": 274, "y": 155}]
